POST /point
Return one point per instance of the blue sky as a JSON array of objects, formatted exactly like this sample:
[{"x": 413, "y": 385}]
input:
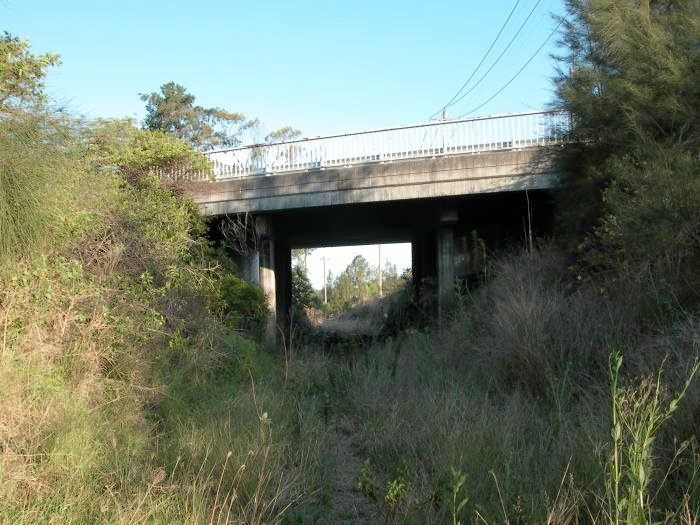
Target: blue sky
[{"x": 322, "y": 67}]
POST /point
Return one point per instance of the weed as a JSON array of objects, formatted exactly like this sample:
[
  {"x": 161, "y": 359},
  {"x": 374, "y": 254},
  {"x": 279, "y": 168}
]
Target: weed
[
  {"x": 457, "y": 503},
  {"x": 637, "y": 416}
]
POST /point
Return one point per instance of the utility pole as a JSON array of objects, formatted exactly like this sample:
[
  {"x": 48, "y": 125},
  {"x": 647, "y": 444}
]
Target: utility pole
[
  {"x": 380, "y": 271},
  {"x": 325, "y": 282}
]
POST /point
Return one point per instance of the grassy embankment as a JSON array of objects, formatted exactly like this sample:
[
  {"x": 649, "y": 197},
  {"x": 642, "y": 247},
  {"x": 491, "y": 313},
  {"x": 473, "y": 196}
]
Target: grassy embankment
[{"x": 133, "y": 387}]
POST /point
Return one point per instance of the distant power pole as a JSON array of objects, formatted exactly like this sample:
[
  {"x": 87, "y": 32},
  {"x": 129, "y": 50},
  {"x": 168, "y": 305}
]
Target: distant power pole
[
  {"x": 380, "y": 271},
  {"x": 325, "y": 282}
]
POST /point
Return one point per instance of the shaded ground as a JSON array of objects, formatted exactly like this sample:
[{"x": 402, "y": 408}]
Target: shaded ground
[
  {"x": 348, "y": 505},
  {"x": 364, "y": 319}
]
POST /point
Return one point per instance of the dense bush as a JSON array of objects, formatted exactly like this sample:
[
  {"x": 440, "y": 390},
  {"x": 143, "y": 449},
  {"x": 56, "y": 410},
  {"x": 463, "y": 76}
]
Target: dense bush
[
  {"x": 245, "y": 305},
  {"x": 630, "y": 75}
]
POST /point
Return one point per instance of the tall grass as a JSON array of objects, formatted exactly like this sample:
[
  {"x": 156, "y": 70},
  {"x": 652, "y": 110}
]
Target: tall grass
[
  {"x": 516, "y": 398},
  {"x": 36, "y": 158},
  {"x": 638, "y": 414}
]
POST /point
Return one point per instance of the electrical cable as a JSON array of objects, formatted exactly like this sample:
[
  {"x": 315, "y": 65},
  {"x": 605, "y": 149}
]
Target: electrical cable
[
  {"x": 513, "y": 56},
  {"x": 480, "y": 63},
  {"x": 499, "y": 56},
  {"x": 519, "y": 71}
]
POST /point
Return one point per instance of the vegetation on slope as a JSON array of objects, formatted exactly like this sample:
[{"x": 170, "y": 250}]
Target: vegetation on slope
[
  {"x": 133, "y": 387},
  {"x": 510, "y": 409}
]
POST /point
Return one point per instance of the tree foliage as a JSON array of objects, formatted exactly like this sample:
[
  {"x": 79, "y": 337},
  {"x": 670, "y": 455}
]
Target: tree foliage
[
  {"x": 22, "y": 73},
  {"x": 355, "y": 284},
  {"x": 303, "y": 294},
  {"x": 173, "y": 111},
  {"x": 283, "y": 134},
  {"x": 300, "y": 256},
  {"x": 391, "y": 280},
  {"x": 119, "y": 145},
  {"x": 630, "y": 75}
]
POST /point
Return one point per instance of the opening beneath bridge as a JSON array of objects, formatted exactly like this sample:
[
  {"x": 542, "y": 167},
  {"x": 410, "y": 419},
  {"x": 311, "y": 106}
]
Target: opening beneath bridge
[{"x": 349, "y": 290}]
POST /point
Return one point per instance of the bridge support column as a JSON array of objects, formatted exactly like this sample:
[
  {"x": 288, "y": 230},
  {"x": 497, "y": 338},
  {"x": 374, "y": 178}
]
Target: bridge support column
[
  {"x": 423, "y": 260},
  {"x": 283, "y": 288},
  {"x": 268, "y": 285},
  {"x": 445, "y": 263},
  {"x": 249, "y": 266},
  {"x": 275, "y": 278},
  {"x": 267, "y": 276}
]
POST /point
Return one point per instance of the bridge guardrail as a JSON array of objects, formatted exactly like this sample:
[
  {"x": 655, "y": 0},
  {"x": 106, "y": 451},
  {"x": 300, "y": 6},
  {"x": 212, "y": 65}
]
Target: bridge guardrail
[{"x": 449, "y": 137}]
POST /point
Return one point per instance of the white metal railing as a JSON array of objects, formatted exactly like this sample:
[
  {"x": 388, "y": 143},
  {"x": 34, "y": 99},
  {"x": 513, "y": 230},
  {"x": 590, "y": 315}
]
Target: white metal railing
[{"x": 451, "y": 137}]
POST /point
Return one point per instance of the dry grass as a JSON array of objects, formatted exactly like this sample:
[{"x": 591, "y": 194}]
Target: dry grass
[{"x": 516, "y": 395}]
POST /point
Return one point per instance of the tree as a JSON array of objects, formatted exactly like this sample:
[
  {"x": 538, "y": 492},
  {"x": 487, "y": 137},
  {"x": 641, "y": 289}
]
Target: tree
[
  {"x": 342, "y": 295},
  {"x": 355, "y": 284},
  {"x": 630, "y": 75},
  {"x": 301, "y": 255},
  {"x": 118, "y": 145},
  {"x": 173, "y": 110},
  {"x": 392, "y": 281},
  {"x": 22, "y": 73},
  {"x": 283, "y": 135},
  {"x": 303, "y": 293}
]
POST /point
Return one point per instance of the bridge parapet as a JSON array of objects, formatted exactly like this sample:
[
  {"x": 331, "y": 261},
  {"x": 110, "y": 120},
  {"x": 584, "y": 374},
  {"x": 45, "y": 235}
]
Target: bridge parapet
[{"x": 441, "y": 138}]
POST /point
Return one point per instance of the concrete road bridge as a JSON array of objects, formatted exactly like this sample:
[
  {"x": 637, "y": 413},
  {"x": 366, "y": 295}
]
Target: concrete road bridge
[{"x": 441, "y": 186}]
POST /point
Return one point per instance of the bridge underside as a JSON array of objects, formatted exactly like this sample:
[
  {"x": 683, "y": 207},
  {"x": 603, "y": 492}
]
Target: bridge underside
[
  {"x": 442, "y": 232},
  {"x": 449, "y": 208}
]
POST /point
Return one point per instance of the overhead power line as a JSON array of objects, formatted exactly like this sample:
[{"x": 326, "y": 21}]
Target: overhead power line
[
  {"x": 499, "y": 57},
  {"x": 519, "y": 71},
  {"x": 480, "y": 63}
]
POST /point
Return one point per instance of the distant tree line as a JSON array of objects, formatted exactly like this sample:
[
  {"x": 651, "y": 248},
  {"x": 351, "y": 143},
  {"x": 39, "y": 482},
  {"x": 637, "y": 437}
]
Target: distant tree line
[{"x": 357, "y": 283}]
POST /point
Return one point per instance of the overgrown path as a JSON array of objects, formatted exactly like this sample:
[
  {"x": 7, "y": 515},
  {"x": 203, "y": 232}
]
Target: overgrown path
[{"x": 348, "y": 505}]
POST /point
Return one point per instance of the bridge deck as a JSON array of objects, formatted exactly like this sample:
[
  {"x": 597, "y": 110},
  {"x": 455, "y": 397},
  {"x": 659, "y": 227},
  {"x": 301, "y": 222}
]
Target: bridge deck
[{"x": 422, "y": 178}]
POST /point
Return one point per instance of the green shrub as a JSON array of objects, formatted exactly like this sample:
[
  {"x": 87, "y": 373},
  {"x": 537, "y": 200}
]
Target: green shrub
[
  {"x": 118, "y": 146},
  {"x": 245, "y": 304}
]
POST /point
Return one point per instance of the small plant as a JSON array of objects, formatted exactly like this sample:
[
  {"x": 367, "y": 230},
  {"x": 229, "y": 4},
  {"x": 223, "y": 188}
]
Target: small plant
[
  {"x": 367, "y": 482},
  {"x": 637, "y": 416},
  {"x": 456, "y": 504},
  {"x": 396, "y": 496}
]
